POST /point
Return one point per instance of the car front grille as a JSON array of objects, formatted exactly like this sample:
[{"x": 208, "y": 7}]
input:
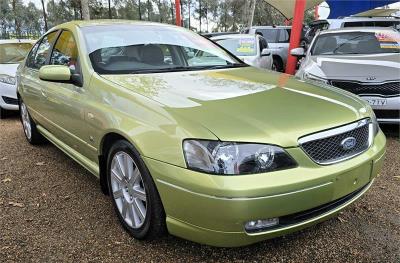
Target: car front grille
[
  {"x": 385, "y": 89},
  {"x": 9, "y": 100},
  {"x": 338, "y": 144}
]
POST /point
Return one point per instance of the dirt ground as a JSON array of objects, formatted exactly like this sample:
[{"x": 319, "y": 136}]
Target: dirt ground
[{"x": 52, "y": 210}]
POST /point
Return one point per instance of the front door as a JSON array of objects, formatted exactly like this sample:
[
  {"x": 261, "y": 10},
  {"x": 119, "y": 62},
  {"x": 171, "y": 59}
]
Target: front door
[{"x": 67, "y": 100}]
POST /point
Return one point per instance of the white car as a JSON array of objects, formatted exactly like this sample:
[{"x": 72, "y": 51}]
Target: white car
[
  {"x": 12, "y": 52},
  {"x": 364, "y": 61},
  {"x": 251, "y": 49}
]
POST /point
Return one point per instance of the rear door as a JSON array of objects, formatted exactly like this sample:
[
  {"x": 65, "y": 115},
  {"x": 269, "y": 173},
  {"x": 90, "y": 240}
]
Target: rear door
[{"x": 30, "y": 83}]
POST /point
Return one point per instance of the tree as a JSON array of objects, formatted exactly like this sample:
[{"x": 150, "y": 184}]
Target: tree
[
  {"x": 85, "y": 9},
  {"x": 109, "y": 9},
  {"x": 44, "y": 16}
]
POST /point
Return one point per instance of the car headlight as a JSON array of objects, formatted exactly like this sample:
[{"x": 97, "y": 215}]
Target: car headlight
[
  {"x": 308, "y": 76},
  {"x": 231, "y": 158},
  {"x": 375, "y": 124},
  {"x": 7, "y": 79}
]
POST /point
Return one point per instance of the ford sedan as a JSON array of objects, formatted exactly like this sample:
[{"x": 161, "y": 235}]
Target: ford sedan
[{"x": 215, "y": 151}]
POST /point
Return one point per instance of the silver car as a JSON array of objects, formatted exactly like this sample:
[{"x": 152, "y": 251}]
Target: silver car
[
  {"x": 278, "y": 38},
  {"x": 251, "y": 49},
  {"x": 364, "y": 61}
]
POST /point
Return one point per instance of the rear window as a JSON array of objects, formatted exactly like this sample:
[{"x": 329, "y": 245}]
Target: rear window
[{"x": 271, "y": 35}]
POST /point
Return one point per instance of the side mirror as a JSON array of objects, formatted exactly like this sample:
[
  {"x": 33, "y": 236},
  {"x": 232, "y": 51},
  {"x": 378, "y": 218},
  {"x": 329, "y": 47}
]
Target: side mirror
[
  {"x": 265, "y": 52},
  {"x": 56, "y": 73},
  {"x": 297, "y": 52}
]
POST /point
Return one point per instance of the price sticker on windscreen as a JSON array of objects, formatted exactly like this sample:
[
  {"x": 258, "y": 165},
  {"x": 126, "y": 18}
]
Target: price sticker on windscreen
[
  {"x": 245, "y": 46},
  {"x": 388, "y": 40}
]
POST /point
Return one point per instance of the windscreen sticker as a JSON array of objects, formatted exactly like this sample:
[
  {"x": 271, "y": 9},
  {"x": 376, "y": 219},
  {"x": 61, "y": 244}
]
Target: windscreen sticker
[
  {"x": 388, "y": 40},
  {"x": 245, "y": 46}
]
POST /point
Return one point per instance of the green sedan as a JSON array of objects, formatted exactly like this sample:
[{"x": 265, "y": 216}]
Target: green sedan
[{"x": 203, "y": 147}]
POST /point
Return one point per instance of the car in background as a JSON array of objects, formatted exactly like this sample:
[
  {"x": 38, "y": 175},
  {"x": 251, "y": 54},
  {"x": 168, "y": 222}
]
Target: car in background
[
  {"x": 251, "y": 49},
  {"x": 12, "y": 52},
  {"x": 363, "y": 61},
  {"x": 351, "y": 21},
  {"x": 222, "y": 154},
  {"x": 278, "y": 38},
  {"x": 216, "y": 34}
]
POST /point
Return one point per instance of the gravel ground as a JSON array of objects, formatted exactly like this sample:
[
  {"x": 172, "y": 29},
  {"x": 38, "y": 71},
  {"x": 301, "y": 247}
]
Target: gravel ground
[{"x": 51, "y": 209}]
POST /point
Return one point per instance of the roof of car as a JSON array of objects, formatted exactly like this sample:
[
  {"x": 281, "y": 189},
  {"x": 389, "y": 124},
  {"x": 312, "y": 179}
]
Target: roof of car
[
  {"x": 268, "y": 27},
  {"x": 365, "y": 18},
  {"x": 10, "y": 41},
  {"x": 232, "y": 36},
  {"x": 102, "y": 22},
  {"x": 357, "y": 29}
]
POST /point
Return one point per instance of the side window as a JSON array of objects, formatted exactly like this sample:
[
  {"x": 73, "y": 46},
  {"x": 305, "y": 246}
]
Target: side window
[
  {"x": 31, "y": 55},
  {"x": 284, "y": 36},
  {"x": 43, "y": 50},
  {"x": 65, "y": 51}
]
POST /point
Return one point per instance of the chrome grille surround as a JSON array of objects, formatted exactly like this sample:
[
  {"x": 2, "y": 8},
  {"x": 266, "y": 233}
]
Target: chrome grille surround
[{"x": 325, "y": 147}]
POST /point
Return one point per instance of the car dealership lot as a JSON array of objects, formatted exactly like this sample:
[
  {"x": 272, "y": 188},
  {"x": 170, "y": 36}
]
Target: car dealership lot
[{"x": 51, "y": 209}]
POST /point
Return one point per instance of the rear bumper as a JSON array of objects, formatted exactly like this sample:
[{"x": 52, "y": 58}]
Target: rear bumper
[{"x": 213, "y": 209}]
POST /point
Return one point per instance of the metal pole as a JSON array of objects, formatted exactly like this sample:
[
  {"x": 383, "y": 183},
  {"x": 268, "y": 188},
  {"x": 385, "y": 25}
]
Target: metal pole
[
  {"x": 178, "y": 13},
  {"x": 295, "y": 36}
]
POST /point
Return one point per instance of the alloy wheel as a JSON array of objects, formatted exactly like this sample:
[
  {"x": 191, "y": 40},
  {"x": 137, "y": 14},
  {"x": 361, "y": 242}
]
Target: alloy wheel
[
  {"x": 128, "y": 190},
  {"x": 26, "y": 122}
]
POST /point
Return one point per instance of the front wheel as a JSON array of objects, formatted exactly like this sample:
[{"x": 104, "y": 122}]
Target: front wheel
[
  {"x": 277, "y": 65},
  {"x": 133, "y": 193}
]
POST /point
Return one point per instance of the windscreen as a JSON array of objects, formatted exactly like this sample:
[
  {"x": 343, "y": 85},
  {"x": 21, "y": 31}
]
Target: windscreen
[
  {"x": 11, "y": 53},
  {"x": 122, "y": 49},
  {"x": 357, "y": 43},
  {"x": 240, "y": 46}
]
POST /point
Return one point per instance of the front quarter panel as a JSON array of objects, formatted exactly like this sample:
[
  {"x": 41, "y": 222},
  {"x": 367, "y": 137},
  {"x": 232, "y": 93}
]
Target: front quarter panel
[{"x": 154, "y": 131}]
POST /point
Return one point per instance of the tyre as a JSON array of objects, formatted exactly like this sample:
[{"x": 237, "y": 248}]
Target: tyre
[
  {"x": 3, "y": 113},
  {"x": 277, "y": 65},
  {"x": 32, "y": 135},
  {"x": 133, "y": 193}
]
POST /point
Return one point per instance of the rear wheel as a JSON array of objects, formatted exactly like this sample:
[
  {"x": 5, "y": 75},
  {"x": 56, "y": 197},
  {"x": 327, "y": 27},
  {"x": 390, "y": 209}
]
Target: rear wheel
[
  {"x": 133, "y": 193},
  {"x": 31, "y": 133}
]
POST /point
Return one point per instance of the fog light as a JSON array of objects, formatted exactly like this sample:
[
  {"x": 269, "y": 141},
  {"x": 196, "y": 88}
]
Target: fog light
[{"x": 261, "y": 224}]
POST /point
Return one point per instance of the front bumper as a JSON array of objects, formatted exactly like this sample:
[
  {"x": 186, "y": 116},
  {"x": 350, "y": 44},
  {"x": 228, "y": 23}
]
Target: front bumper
[
  {"x": 213, "y": 209},
  {"x": 8, "y": 96},
  {"x": 387, "y": 113}
]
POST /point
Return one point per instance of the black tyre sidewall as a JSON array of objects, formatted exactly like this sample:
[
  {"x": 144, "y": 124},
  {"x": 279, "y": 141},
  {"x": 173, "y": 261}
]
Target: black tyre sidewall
[
  {"x": 3, "y": 113},
  {"x": 151, "y": 193},
  {"x": 278, "y": 66}
]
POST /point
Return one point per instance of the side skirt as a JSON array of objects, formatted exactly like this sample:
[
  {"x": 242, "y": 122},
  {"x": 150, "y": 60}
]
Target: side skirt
[{"x": 76, "y": 156}]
